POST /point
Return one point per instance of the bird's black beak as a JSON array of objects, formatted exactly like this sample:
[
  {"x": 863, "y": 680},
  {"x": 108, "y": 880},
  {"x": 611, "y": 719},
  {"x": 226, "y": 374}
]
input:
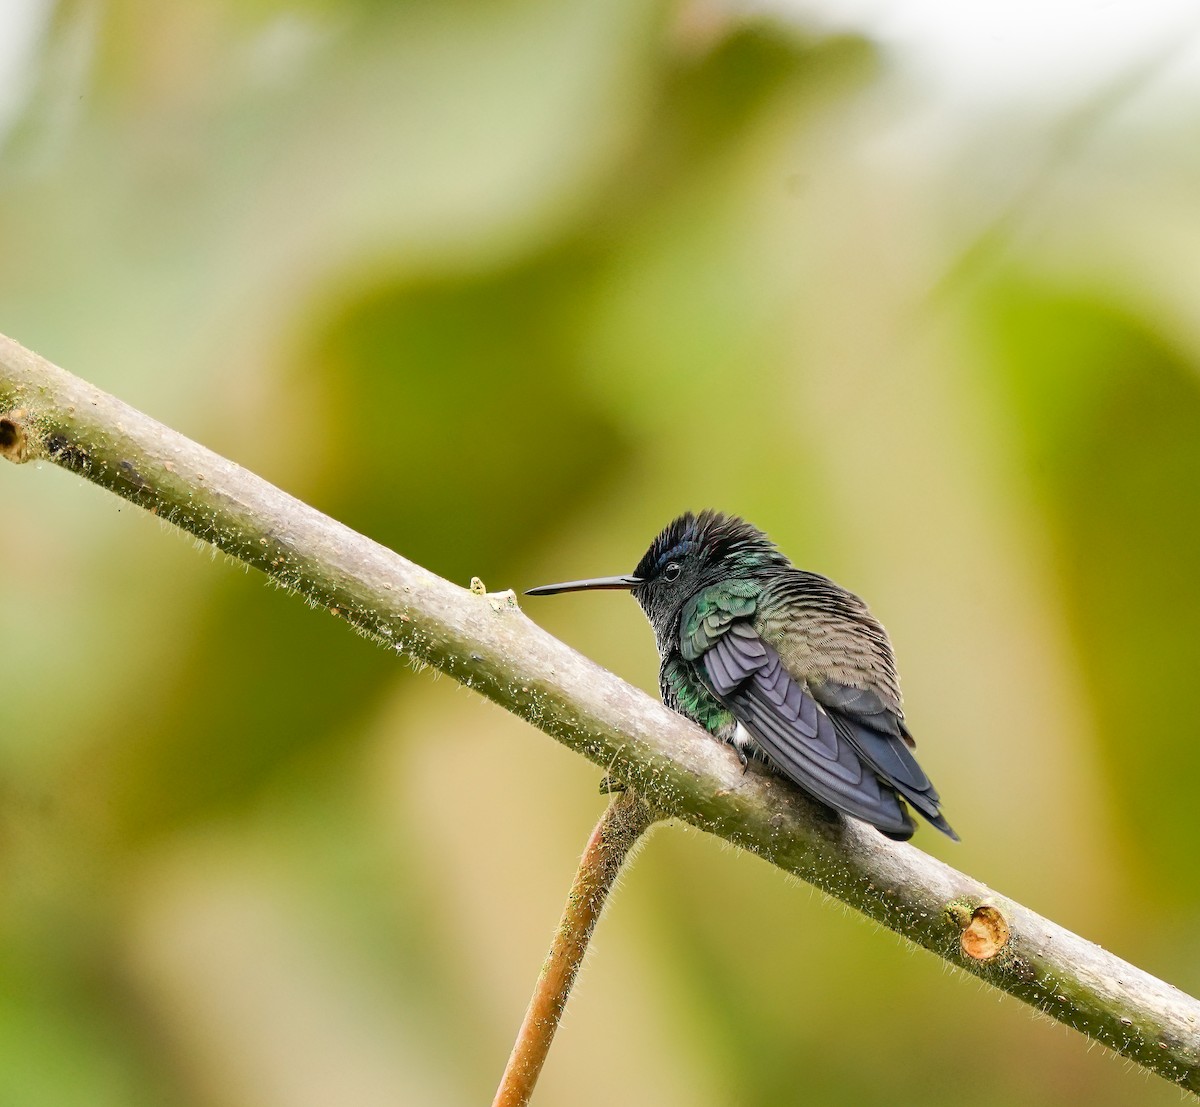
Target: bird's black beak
[{"x": 623, "y": 583}]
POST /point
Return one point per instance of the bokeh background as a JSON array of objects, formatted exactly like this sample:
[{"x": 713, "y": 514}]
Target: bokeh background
[{"x": 914, "y": 286}]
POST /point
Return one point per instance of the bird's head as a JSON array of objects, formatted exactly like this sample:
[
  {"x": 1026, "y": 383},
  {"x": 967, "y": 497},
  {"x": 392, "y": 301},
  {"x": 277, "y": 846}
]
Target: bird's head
[{"x": 690, "y": 554}]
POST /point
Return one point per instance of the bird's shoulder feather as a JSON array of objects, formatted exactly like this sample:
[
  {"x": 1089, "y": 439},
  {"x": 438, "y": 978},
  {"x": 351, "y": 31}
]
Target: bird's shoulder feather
[{"x": 708, "y": 614}]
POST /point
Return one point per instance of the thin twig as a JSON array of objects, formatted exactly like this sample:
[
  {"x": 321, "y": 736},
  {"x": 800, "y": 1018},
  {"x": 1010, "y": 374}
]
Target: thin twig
[
  {"x": 485, "y": 642},
  {"x": 620, "y": 828}
]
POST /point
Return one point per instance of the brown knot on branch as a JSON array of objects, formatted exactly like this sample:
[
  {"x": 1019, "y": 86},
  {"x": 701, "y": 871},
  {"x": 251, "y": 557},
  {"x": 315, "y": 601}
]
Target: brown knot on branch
[
  {"x": 984, "y": 930},
  {"x": 15, "y": 442}
]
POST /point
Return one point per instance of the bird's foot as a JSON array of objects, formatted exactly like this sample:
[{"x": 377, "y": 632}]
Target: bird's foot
[{"x": 610, "y": 785}]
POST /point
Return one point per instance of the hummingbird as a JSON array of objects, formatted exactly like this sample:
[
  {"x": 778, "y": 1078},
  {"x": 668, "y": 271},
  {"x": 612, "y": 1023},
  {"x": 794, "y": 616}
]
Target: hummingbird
[{"x": 783, "y": 664}]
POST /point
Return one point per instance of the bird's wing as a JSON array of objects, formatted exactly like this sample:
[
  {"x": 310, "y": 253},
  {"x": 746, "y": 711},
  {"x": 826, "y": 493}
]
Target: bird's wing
[
  {"x": 877, "y": 733},
  {"x": 797, "y": 733}
]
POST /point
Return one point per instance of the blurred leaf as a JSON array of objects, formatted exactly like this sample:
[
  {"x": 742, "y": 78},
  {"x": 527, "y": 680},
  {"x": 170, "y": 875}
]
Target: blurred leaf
[
  {"x": 1111, "y": 415},
  {"x": 446, "y": 400}
]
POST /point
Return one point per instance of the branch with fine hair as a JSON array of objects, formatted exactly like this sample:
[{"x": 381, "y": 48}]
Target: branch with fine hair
[
  {"x": 486, "y": 642},
  {"x": 611, "y": 843}
]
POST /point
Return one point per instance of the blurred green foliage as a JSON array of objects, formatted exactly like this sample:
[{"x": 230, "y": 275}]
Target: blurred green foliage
[
  {"x": 505, "y": 287},
  {"x": 1111, "y": 409}
]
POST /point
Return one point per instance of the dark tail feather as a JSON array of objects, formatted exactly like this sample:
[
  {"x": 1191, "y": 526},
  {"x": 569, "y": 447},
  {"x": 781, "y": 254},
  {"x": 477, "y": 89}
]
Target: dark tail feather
[{"x": 888, "y": 756}]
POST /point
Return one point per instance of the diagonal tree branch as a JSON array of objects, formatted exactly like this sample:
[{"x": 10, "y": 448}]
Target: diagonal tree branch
[{"x": 486, "y": 642}]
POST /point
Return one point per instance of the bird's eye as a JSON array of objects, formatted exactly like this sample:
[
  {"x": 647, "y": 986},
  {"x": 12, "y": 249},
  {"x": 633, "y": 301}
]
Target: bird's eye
[{"x": 672, "y": 571}]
